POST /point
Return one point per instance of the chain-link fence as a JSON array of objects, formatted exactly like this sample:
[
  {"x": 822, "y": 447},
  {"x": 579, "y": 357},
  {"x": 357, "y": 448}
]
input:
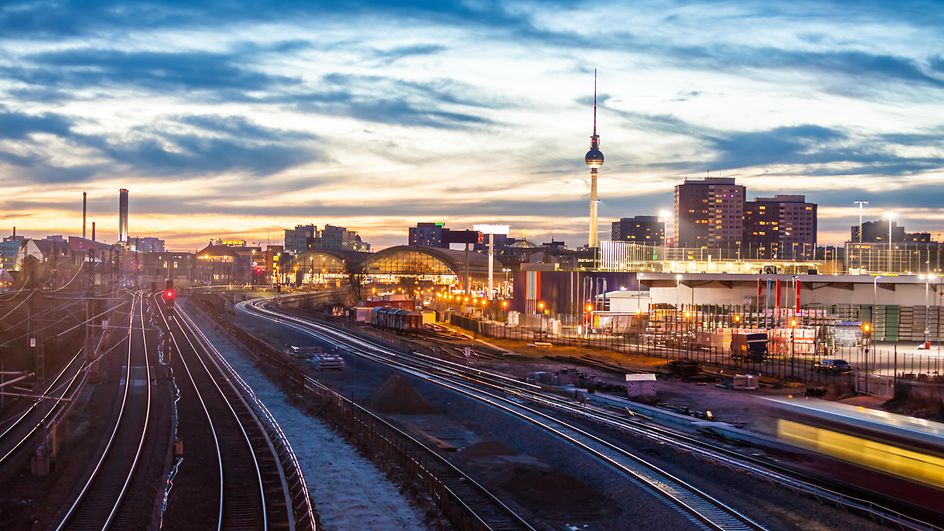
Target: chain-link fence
[{"x": 796, "y": 348}]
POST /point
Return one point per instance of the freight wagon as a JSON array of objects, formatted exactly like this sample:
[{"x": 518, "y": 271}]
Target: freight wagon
[{"x": 396, "y": 319}]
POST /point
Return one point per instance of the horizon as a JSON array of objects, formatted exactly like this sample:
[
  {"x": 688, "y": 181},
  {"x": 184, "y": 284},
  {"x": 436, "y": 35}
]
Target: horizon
[{"x": 228, "y": 121}]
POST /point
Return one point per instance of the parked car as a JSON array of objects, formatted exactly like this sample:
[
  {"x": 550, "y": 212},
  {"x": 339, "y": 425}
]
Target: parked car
[{"x": 832, "y": 366}]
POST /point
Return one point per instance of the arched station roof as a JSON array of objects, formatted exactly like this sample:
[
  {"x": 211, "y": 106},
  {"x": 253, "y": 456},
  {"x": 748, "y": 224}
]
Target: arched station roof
[
  {"x": 332, "y": 262},
  {"x": 421, "y": 260}
]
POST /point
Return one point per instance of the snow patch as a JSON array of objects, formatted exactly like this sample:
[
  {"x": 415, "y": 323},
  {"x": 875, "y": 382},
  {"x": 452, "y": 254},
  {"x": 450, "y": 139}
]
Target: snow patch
[{"x": 347, "y": 490}]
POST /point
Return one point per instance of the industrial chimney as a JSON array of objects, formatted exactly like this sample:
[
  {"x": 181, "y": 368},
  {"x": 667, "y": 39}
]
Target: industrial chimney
[
  {"x": 123, "y": 215},
  {"x": 84, "y": 212}
]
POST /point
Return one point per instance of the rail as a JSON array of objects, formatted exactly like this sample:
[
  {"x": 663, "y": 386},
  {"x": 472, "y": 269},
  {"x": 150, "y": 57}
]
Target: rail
[
  {"x": 300, "y": 513},
  {"x": 466, "y": 503},
  {"x": 687, "y": 499}
]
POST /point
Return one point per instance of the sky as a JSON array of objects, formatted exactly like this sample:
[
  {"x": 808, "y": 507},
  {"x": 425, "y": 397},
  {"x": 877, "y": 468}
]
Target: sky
[{"x": 239, "y": 119}]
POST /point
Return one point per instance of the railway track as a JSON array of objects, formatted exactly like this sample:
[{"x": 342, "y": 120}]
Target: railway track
[
  {"x": 257, "y": 482},
  {"x": 698, "y": 506},
  {"x": 707, "y": 450},
  {"x": 21, "y": 430},
  {"x": 100, "y": 501}
]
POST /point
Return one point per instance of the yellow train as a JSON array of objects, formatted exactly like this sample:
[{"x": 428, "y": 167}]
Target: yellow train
[
  {"x": 879, "y": 456},
  {"x": 899, "y": 457}
]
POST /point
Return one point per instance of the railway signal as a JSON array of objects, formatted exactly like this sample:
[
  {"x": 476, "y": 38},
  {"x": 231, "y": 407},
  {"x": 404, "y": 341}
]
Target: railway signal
[{"x": 169, "y": 296}]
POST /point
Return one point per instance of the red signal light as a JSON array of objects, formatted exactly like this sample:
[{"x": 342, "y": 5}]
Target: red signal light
[{"x": 169, "y": 295}]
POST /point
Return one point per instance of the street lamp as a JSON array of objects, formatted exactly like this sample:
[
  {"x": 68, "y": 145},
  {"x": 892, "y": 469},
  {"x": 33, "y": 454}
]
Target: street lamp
[
  {"x": 664, "y": 216},
  {"x": 890, "y": 216},
  {"x": 678, "y": 283},
  {"x": 793, "y": 327},
  {"x": 927, "y": 307}
]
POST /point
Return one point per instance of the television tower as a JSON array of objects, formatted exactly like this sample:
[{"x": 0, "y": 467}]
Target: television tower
[{"x": 594, "y": 159}]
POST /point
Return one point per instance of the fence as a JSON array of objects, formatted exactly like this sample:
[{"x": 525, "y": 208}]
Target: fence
[
  {"x": 697, "y": 334},
  {"x": 422, "y": 471}
]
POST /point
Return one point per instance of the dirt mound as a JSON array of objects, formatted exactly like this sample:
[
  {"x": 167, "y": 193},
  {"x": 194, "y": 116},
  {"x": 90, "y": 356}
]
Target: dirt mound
[
  {"x": 555, "y": 494},
  {"x": 397, "y": 396},
  {"x": 487, "y": 449}
]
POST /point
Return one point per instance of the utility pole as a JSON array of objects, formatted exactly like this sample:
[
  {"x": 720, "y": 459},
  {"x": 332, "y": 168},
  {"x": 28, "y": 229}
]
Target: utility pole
[
  {"x": 861, "y": 204},
  {"x": 40, "y": 345},
  {"x": 87, "y": 340}
]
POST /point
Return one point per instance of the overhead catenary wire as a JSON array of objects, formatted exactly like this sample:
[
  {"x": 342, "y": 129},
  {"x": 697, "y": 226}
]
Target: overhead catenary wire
[{"x": 18, "y": 305}]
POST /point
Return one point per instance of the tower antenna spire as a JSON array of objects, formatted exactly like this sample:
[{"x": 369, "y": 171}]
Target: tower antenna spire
[{"x": 594, "y": 102}]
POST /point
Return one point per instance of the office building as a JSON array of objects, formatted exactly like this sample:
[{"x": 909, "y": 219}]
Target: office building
[
  {"x": 781, "y": 227},
  {"x": 437, "y": 235},
  {"x": 147, "y": 245},
  {"x": 428, "y": 235},
  {"x": 877, "y": 232},
  {"x": 296, "y": 240},
  {"x": 648, "y": 230},
  {"x": 709, "y": 213},
  {"x": 333, "y": 238}
]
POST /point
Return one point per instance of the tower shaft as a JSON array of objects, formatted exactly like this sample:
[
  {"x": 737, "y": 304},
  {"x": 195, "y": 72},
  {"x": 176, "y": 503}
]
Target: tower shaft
[{"x": 594, "y": 240}]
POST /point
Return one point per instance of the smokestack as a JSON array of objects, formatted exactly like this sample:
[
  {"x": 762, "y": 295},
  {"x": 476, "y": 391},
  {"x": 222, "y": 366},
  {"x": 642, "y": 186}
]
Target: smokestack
[
  {"x": 123, "y": 215},
  {"x": 14, "y": 233},
  {"x": 93, "y": 231},
  {"x": 84, "y": 212}
]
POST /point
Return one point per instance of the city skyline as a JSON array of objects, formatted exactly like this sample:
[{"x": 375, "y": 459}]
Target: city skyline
[{"x": 224, "y": 120}]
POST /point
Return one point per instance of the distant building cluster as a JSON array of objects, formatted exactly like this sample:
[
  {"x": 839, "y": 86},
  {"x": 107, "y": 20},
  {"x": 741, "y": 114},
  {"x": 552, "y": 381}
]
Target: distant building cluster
[
  {"x": 649, "y": 230},
  {"x": 331, "y": 238}
]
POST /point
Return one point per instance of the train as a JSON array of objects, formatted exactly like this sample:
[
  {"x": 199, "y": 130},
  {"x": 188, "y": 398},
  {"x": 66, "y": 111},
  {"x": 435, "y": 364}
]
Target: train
[
  {"x": 404, "y": 321},
  {"x": 898, "y": 457}
]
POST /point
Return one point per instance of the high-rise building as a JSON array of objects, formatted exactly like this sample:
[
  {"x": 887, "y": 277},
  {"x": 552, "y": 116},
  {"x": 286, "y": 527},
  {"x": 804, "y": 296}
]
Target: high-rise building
[
  {"x": 148, "y": 245},
  {"x": 709, "y": 213},
  {"x": 877, "y": 231},
  {"x": 296, "y": 240},
  {"x": 123, "y": 215},
  {"x": 782, "y": 227},
  {"x": 333, "y": 238},
  {"x": 649, "y": 230},
  {"x": 429, "y": 235}
]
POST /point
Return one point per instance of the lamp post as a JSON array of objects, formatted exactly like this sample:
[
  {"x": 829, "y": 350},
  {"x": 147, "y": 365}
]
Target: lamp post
[
  {"x": 664, "y": 216},
  {"x": 890, "y": 216},
  {"x": 793, "y": 327},
  {"x": 927, "y": 307},
  {"x": 678, "y": 283}
]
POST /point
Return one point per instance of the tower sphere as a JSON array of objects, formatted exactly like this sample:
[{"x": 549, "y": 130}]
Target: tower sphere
[{"x": 594, "y": 157}]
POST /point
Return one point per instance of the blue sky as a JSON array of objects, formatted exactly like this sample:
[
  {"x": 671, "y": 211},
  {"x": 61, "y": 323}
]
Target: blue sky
[{"x": 242, "y": 118}]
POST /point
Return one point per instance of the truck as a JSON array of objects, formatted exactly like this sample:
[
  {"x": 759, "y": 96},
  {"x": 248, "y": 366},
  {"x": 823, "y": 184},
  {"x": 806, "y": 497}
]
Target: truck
[{"x": 751, "y": 346}]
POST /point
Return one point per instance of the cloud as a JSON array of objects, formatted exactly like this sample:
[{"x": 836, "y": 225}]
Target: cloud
[
  {"x": 219, "y": 144},
  {"x": 388, "y": 100},
  {"x": 158, "y": 72},
  {"x": 18, "y": 125},
  {"x": 824, "y": 151},
  {"x": 401, "y": 52},
  {"x": 937, "y": 63},
  {"x": 820, "y": 150},
  {"x": 209, "y": 144}
]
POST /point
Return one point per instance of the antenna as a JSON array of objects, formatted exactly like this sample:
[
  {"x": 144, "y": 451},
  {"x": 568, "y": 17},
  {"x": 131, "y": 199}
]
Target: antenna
[{"x": 594, "y": 102}]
